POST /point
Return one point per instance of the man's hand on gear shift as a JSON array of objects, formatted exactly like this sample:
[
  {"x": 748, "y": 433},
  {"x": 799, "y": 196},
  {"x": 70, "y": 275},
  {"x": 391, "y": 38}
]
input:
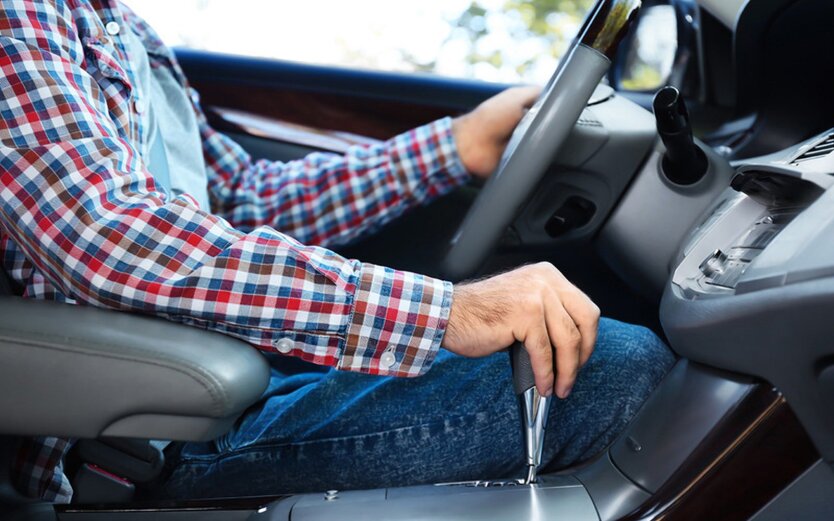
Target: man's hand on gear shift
[{"x": 535, "y": 305}]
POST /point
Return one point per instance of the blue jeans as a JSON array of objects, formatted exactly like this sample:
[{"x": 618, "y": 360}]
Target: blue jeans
[{"x": 317, "y": 429}]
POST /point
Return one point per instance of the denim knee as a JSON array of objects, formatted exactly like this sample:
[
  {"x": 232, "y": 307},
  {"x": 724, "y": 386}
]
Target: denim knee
[
  {"x": 635, "y": 356},
  {"x": 650, "y": 355},
  {"x": 627, "y": 365}
]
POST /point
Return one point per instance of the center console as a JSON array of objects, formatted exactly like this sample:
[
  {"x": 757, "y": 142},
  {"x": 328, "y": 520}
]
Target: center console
[{"x": 753, "y": 285}]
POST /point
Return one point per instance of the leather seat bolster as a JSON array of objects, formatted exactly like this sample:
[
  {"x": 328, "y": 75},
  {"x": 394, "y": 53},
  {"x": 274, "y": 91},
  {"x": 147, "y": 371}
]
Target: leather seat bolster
[{"x": 79, "y": 371}]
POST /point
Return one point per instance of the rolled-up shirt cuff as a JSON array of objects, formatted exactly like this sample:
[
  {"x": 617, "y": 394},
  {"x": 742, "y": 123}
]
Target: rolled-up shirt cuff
[{"x": 397, "y": 322}]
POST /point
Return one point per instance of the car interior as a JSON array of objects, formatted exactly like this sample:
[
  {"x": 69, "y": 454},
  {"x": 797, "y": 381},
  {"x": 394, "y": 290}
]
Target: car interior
[{"x": 703, "y": 210}]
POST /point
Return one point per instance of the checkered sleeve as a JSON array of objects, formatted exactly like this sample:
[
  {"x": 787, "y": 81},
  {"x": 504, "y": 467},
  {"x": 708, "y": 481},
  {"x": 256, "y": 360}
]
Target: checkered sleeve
[
  {"x": 328, "y": 199},
  {"x": 78, "y": 202},
  {"x": 37, "y": 469}
]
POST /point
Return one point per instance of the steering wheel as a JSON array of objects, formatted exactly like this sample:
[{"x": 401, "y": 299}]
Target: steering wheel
[{"x": 539, "y": 135}]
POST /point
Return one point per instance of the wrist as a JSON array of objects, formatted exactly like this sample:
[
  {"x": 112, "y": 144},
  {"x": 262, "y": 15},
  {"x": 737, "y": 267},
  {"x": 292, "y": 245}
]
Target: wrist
[
  {"x": 462, "y": 133},
  {"x": 459, "y": 319}
]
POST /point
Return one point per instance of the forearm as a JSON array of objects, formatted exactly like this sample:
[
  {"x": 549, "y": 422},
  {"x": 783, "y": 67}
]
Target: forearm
[{"x": 330, "y": 199}]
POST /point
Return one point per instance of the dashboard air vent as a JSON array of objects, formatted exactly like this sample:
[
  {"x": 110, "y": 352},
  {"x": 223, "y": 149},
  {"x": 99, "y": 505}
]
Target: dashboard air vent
[{"x": 821, "y": 149}]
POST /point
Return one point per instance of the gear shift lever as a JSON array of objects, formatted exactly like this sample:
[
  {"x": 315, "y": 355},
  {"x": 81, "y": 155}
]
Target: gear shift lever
[{"x": 534, "y": 408}]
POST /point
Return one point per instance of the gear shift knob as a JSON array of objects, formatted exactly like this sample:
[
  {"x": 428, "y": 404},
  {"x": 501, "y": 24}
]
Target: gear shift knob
[{"x": 533, "y": 406}]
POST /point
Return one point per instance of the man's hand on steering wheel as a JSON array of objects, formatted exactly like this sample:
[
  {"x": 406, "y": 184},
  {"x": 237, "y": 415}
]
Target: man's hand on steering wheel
[{"x": 482, "y": 135}]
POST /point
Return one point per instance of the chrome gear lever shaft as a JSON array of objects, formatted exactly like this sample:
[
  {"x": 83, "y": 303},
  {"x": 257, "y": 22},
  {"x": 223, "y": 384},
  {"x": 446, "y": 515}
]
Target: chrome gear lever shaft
[{"x": 534, "y": 409}]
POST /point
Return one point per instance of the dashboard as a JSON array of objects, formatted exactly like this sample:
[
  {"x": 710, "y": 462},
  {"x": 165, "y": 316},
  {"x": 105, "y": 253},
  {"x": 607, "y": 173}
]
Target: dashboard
[{"x": 751, "y": 288}]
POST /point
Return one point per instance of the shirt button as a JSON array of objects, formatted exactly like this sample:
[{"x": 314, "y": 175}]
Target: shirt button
[
  {"x": 284, "y": 345},
  {"x": 387, "y": 360},
  {"x": 112, "y": 28},
  {"x": 140, "y": 105}
]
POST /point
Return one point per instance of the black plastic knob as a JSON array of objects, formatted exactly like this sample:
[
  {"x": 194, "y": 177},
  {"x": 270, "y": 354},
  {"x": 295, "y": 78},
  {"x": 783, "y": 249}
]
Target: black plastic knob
[
  {"x": 523, "y": 377},
  {"x": 684, "y": 162}
]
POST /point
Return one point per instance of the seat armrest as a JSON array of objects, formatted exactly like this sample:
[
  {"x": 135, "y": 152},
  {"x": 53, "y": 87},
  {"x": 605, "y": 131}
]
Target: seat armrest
[{"x": 83, "y": 372}]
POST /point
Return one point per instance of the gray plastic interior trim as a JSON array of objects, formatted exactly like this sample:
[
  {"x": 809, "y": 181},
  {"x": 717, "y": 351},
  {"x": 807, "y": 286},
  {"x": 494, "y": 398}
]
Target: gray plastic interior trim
[
  {"x": 781, "y": 334},
  {"x": 613, "y": 494},
  {"x": 83, "y": 372},
  {"x": 724, "y": 223},
  {"x": 532, "y": 147},
  {"x": 641, "y": 239},
  {"x": 689, "y": 403},
  {"x": 803, "y": 251},
  {"x": 559, "y": 498},
  {"x": 606, "y": 148}
]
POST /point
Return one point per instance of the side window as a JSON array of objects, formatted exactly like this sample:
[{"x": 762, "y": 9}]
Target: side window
[{"x": 493, "y": 40}]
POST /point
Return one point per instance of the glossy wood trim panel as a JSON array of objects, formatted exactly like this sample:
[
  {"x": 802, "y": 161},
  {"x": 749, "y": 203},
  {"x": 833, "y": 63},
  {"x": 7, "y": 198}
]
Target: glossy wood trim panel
[
  {"x": 752, "y": 456},
  {"x": 372, "y": 118},
  {"x": 226, "y": 119}
]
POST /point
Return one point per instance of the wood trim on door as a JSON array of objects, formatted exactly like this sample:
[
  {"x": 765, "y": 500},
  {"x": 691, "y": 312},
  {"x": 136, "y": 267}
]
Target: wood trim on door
[
  {"x": 356, "y": 116},
  {"x": 233, "y": 120}
]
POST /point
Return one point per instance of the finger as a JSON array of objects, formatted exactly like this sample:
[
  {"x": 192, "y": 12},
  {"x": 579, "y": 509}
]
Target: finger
[
  {"x": 537, "y": 344},
  {"x": 567, "y": 340},
  {"x": 528, "y": 95},
  {"x": 517, "y": 100},
  {"x": 585, "y": 315}
]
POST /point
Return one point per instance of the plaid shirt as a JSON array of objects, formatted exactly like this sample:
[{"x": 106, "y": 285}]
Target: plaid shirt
[{"x": 83, "y": 221}]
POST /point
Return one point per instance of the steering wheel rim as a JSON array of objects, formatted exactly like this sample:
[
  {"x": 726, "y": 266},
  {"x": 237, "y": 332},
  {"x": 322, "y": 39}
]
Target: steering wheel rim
[{"x": 539, "y": 136}]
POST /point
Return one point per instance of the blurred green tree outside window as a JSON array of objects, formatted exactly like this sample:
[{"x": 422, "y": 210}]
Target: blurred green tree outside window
[{"x": 540, "y": 32}]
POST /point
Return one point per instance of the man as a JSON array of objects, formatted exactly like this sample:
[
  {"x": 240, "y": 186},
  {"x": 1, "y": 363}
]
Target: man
[{"x": 116, "y": 193}]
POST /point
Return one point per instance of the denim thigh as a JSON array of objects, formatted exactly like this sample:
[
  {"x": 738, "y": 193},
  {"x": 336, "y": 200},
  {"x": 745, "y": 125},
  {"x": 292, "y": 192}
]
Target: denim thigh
[{"x": 318, "y": 429}]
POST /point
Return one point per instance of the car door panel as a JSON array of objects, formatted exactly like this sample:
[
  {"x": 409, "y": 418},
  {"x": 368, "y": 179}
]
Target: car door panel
[{"x": 367, "y": 103}]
